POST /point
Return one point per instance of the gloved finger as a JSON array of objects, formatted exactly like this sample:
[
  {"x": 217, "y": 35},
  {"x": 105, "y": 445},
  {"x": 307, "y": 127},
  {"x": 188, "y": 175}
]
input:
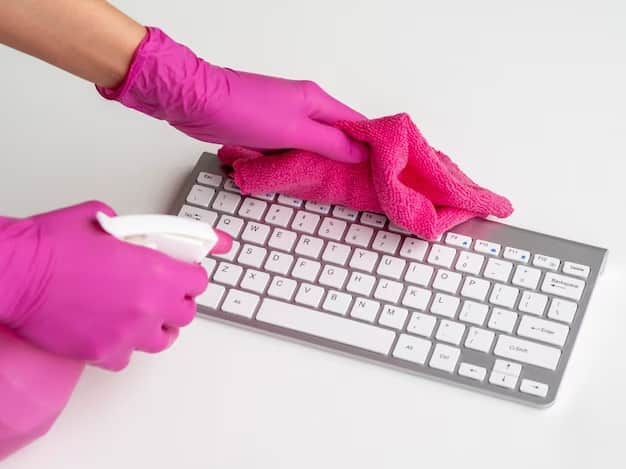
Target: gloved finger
[
  {"x": 183, "y": 279},
  {"x": 158, "y": 340},
  {"x": 115, "y": 362},
  {"x": 224, "y": 242},
  {"x": 180, "y": 314},
  {"x": 329, "y": 142},
  {"x": 326, "y": 109},
  {"x": 92, "y": 207}
]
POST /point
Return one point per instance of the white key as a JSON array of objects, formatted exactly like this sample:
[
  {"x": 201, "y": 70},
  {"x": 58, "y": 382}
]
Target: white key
[
  {"x": 269, "y": 196},
  {"x": 533, "y": 303},
  {"x": 252, "y": 256},
  {"x": 359, "y": 235},
  {"x": 517, "y": 255},
  {"x": 255, "y": 233},
  {"x": 413, "y": 248},
  {"x": 282, "y": 239},
  {"x": 291, "y": 201},
  {"x": 386, "y": 242},
  {"x": 502, "y": 320},
  {"x": 419, "y": 274},
  {"x": 479, "y": 339},
  {"x": 441, "y": 255},
  {"x": 332, "y": 228},
  {"x": 306, "y": 269},
  {"x": 373, "y": 219},
  {"x": 230, "y": 185},
  {"x": 232, "y": 252},
  {"x": 333, "y": 276},
  {"x": 503, "y": 295},
  {"x": 562, "y": 310},
  {"x": 230, "y": 225},
  {"x": 473, "y": 312},
  {"x": 208, "y": 264},
  {"x": 240, "y": 303},
  {"x": 309, "y": 295},
  {"x": 398, "y": 229},
  {"x": 388, "y": 290},
  {"x": 211, "y": 296},
  {"x": 507, "y": 367},
  {"x": 317, "y": 207},
  {"x": 209, "y": 179},
  {"x": 472, "y": 371},
  {"x": 447, "y": 281},
  {"x": 543, "y": 330},
  {"x": 527, "y": 352},
  {"x": 421, "y": 324},
  {"x": 305, "y": 221},
  {"x": 252, "y": 208},
  {"x": 363, "y": 260},
  {"x": 278, "y": 262},
  {"x": 534, "y": 387},
  {"x": 498, "y": 270},
  {"x": 336, "y": 253},
  {"x": 391, "y": 267},
  {"x": 546, "y": 262},
  {"x": 227, "y": 273},
  {"x": 282, "y": 288},
  {"x": 412, "y": 349},
  {"x": 344, "y": 213},
  {"x": 444, "y": 358},
  {"x": 475, "y": 288},
  {"x": 199, "y": 214},
  {"x": 279, "y": 215},
  {"x": 416, "y": 298},
  {"x": 327, "y": 326},
  {"x": 361, "y": 283},
  {"x": 200, "y": 195},
  {"x": 365, "y": 309},
  {"x": 561, "y": 285},
  {"x": 255, "y": 280},
  {"x": 486, "y": 247},
  {"x": 505, "y": 374},
  {"x": 393, "y": 316},
  {"x": 469, "y": 262},
  {"x": 444, "y": 305},
  {"x": 578, "y": 270},
  {"x": 226, "y": 202},
  {"x": 455, "y": 239},
  {"x": 309, "y": 246},
  {"x": 337, "y": 302},
  {"x": 526, "y": 277},
  {"x": 450, "y": 331}
]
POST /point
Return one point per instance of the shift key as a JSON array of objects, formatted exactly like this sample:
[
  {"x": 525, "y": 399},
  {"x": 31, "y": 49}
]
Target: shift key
[{"x": 527, "y": 352}]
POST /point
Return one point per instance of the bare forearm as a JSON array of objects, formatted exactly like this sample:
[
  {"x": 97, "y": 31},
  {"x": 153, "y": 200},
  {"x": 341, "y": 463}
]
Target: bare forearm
[{"x": 88, "y": 38}]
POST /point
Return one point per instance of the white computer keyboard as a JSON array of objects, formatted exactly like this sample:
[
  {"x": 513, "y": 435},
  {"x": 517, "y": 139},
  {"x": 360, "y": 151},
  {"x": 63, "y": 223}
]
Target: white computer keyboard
[{"x": 488, "y": 306}]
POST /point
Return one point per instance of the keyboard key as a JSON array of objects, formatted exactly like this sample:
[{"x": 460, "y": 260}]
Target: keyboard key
[
  {"x": 226, "y": 202},
  {"x": 533, "y": 303},
  {"x": 450, "y": 331},
  {"x": 255, "y": 281},
  {"x": 479, "y": 339},
  {"x": 527, "y": 352},
  {"x": 534, "y": 387},
  {"x": 475, "y": 288},
  {"x": 462, "y": 241},
  {"x": 421, "y": 324},
  {"x": 391, "y": 267},
  {"x": 309, "y": 246},
  {"x": 359, "y": 235},
  {"x": 526, "y": 277},
  {"x": 412, "y": 349},
  {"x": 230, "y": 225},
  {"x": 282, "y": 239},
  {"x": 363, "y": 260},
  {"x": 546, "y": 262},
  {"x": 373, "y": 219},
  {"x": 561, "y": 285},
  {"x": 306, "y": 269},
  {"x": 337, "y": 302},
  {"x": 416, "y": 298},
  {"x": 240, "y": 303},
  {"x": 365, "y": 309},
  {"x": 309, "y": 295},
  {"x": 472, "y": 371},
  {"x": 344, "y": 213},
  {"x": 291, "y": 201},
  {"x": 498, "y": 270},
  {"x": 278, "y": 262},
  {"x": 578, "y": 270},
  {"x": 441, "y": 255},
  {"x": 209, "y": 179},
  {"x": 279, "y": 215},
  {"x": 232, "y": 252},
  {"x": 398, "y": 229},
  {"x": 200, "y": 195},
  {"x": 447, "y": 281},
  {"x": 252, "y": 208},
  {"x": 419, "y": 274},
  {"x": 386, "y": 242},
  {"x": 473, "y": 312},
  {"x": 305, "y": 222},
  {"x": 336, "y": 328},
  {"x": 486, "y": 247},
  {"x": 562, "y": 310},
  {"x": 445, "y": 305},
  {"x": 503, "y": 295},
  {"x": 269, "y": 196},
  {"x": 227, "y": 273},
  {"x": 316, "y": 207},
  {"x": 393, "y": 316},
  {"x": 502, "y": 320},
  {"x": 252, "y": 256},
  {"x": 208, "y": 264},
  {"x": 518, "y": 255},
  {"x": 230, "y": 185},
  {"x": 413, "y": 248},
  {"x": 336, "y": 253},
  {"x": 255, "y": 233},
  {"x": 469, "y": 263},
  {"x": 361, "y": 283},
  {"x": 282, "y": 288},
  {"x": 211, "y": 296},
  {"x": 333, "y": 276},
  {"x": 502, "y": 379},
  {"x": 444, "y": 358},
  {"x": 543, "y": 330},
  {"x": 198, "y": 214},
  {"x": 332, "y": 228},
  {"x": 388, "y": 290}
]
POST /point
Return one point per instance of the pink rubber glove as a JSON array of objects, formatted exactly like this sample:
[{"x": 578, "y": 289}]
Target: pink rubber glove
[
  {"x": 168, "y": 81},
  {"x": 74, "y": 290}
]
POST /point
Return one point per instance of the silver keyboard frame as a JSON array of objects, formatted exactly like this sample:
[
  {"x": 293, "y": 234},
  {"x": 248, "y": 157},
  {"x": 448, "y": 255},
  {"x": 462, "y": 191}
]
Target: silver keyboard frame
[{"x": 500, "y": 233}]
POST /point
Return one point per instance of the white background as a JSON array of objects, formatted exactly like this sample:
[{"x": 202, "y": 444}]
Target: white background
[{"x": 529, "y": 98}]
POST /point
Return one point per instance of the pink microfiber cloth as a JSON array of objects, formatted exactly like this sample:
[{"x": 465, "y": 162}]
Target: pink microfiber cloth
[{"x": 416, "y": 186}]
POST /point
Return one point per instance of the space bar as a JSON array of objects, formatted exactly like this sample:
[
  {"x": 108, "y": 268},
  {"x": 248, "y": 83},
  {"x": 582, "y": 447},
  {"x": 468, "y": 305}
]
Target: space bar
[{"x": 327, "y": 326}]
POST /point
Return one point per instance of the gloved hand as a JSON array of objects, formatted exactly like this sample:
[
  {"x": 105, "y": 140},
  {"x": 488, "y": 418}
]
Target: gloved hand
[
  {"x": 74, "y": 290},
  {"x": 168, "y": 81}
]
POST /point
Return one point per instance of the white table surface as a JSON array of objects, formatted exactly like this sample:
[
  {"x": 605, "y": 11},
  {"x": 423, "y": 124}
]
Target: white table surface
[{"x": 528, "y": 98}]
